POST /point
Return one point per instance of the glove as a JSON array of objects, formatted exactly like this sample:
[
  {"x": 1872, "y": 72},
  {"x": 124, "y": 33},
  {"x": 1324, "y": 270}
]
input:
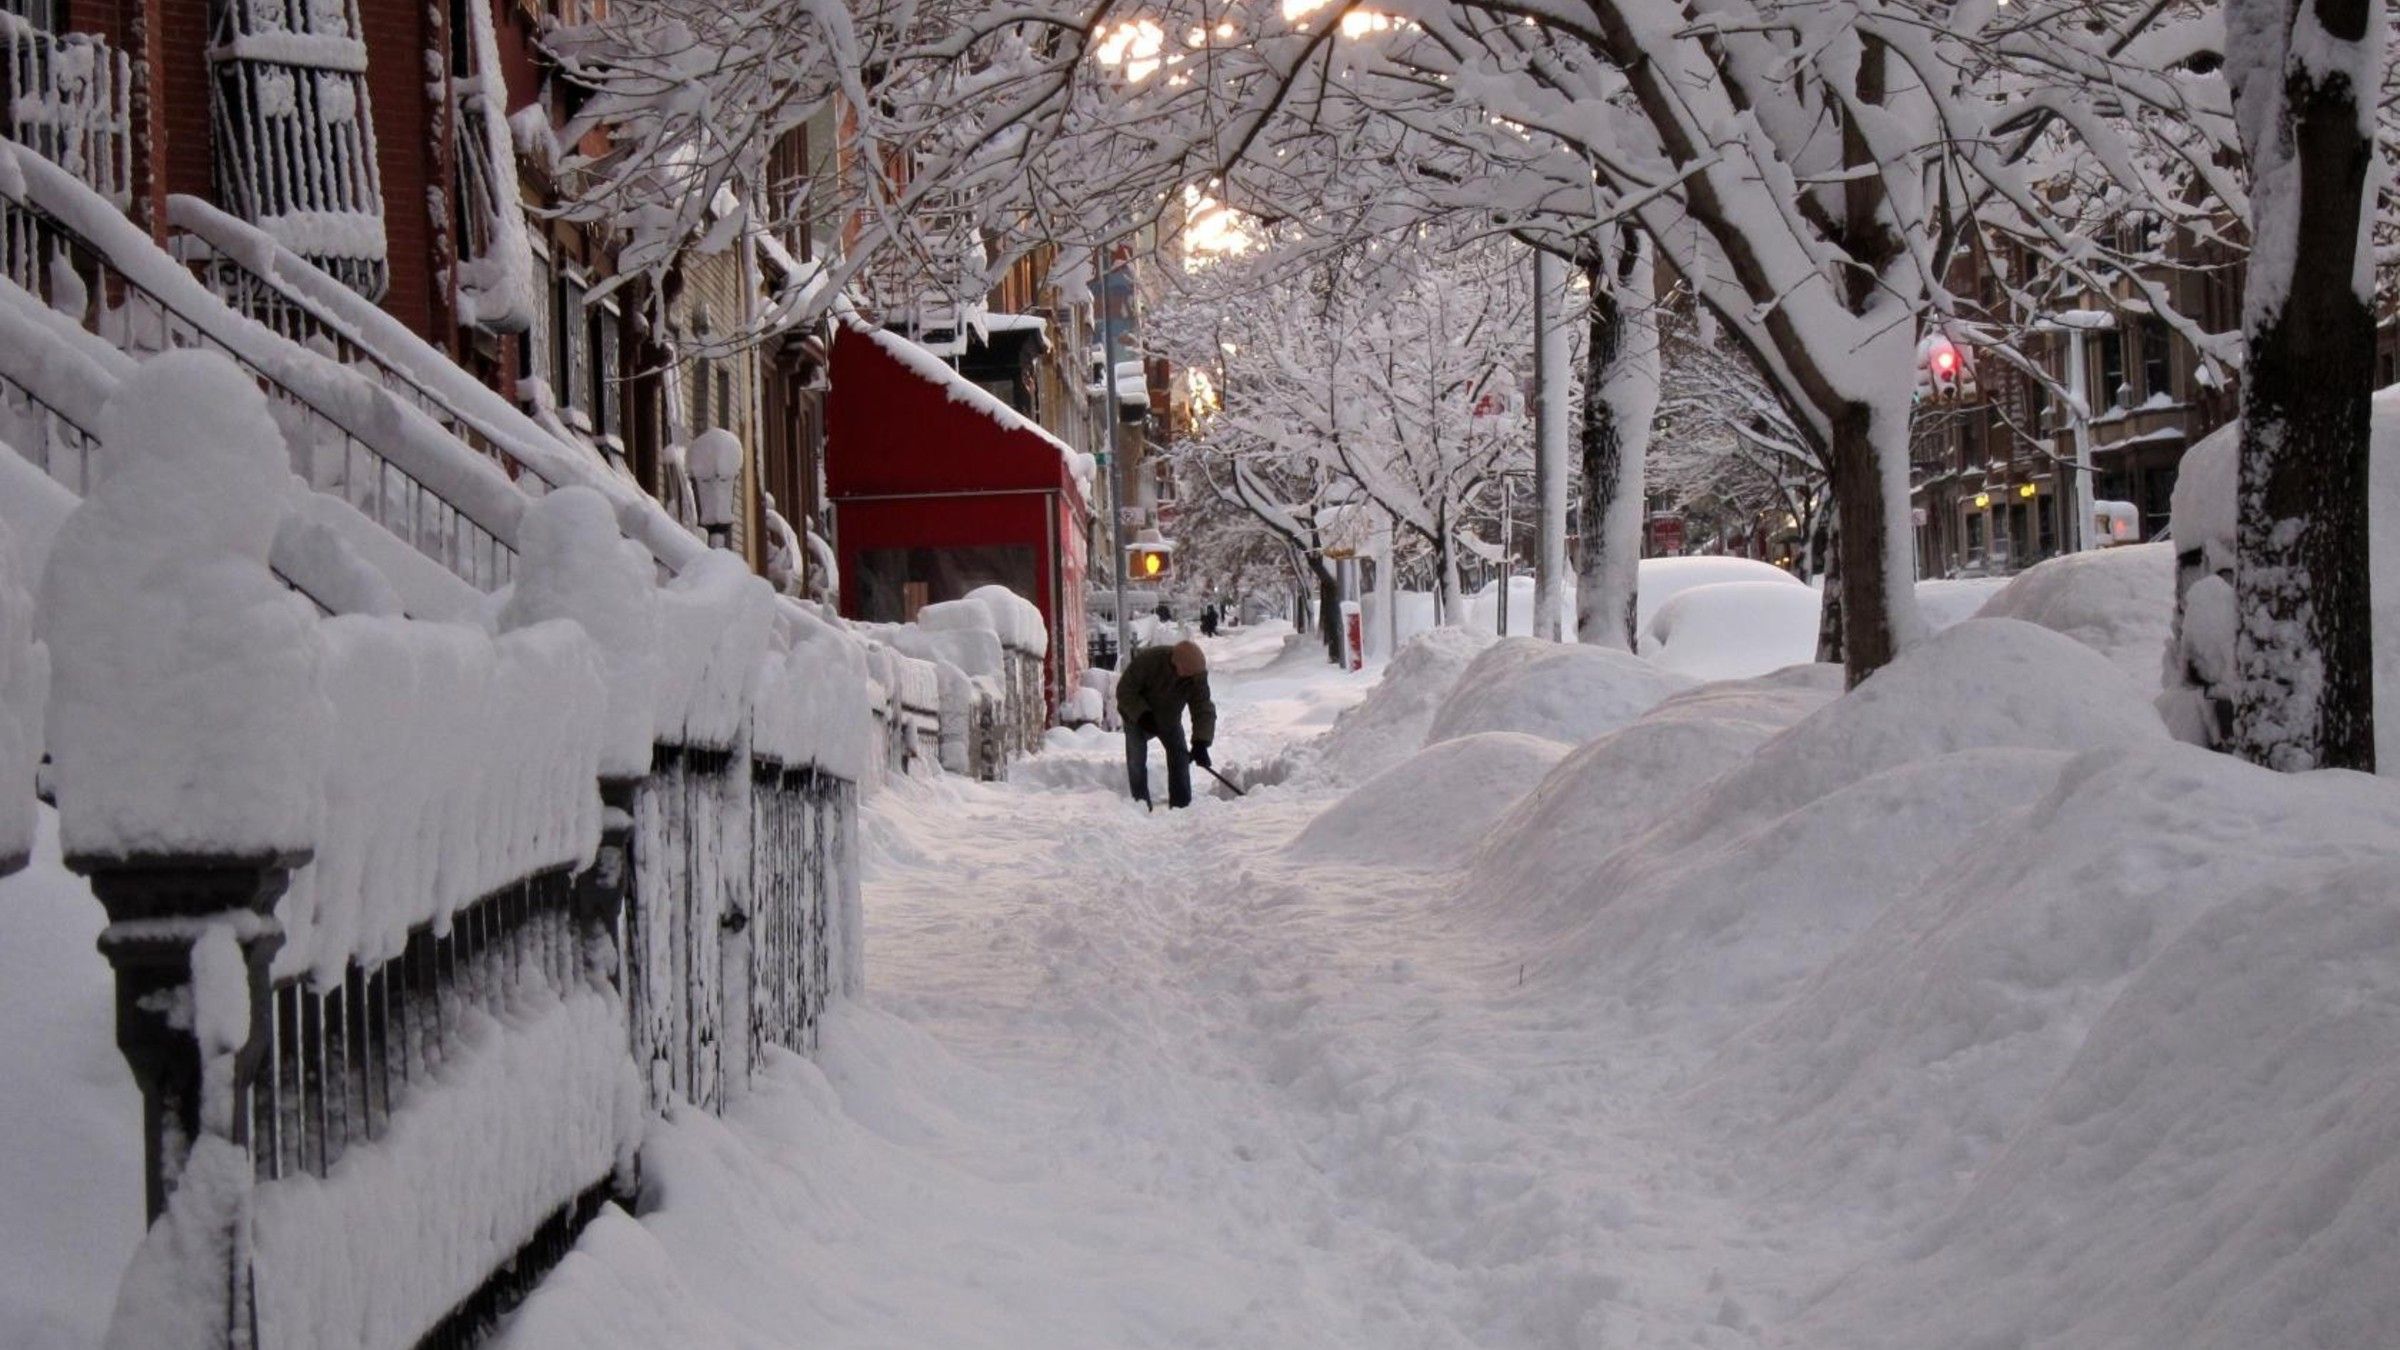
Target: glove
[{"x": 1200, "y": 755}]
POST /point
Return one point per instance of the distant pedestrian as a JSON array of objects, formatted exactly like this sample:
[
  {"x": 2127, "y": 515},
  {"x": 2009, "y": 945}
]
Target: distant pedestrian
[
  {"x": 1153, "y": 691},
  {"x": 1208, "y": 622},
  {"x": 1165, "y": 615}
]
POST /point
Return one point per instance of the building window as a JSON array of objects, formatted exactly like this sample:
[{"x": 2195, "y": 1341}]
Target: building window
[
  {"x": 537, "y": 354},
  {"x": 574, "y": 345},
  {"x": 2112, "y": 370},
  {"x": 2158, "y": 364}
]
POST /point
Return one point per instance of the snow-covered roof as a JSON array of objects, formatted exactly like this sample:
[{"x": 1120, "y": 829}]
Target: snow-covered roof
[{"x": 962, "y": 390}]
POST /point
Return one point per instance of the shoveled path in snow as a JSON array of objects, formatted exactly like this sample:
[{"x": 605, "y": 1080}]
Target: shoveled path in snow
[{"x": 1130, "y": 1079}]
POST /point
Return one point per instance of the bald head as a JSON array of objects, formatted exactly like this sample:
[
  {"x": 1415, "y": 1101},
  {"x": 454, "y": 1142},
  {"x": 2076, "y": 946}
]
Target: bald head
[{"x": 1189, "y": 659}]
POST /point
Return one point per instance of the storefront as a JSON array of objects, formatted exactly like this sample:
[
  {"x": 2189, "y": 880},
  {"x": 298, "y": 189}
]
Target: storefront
[{"x": 938, "y": 487}]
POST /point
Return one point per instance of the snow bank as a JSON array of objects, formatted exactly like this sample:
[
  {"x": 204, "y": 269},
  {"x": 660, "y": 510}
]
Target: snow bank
[
  {"x": 1562, "y": 691},
  {"x": 2120, "y": 602},
  {"x": 1429, "y": 809},
  {"x": 1390, "y": 723},
  {"x": 1943, "y": 603},
  {"x": 1986, "y": 683},
  {"x": 1924, "y": 1051},
  {"x": 71, "y": 1172},
  {"x": 2215, "y": 1168},
  {"x": 1731, "y": 630},
  {"x": 1662, "y": 579},
  {"x": 186, "y": 714},
  {"x": 1612, "y": 789}
]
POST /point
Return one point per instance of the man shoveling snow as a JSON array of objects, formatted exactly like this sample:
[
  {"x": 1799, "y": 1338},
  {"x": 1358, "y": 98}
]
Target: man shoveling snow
[{"x": 1157, "y": 685}]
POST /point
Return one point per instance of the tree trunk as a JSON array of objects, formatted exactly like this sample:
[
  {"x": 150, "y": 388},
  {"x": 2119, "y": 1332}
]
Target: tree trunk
[
  {"x": 1877, "y": 610},
  {"x": 2304, "y": 681},
  {"x": 1550, "y": 475},
  {"x": 1619, "y": 400}
]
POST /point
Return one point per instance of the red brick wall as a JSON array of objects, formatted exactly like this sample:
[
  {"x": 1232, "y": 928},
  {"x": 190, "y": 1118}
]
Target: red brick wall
[{"x": 398, "y": 35}]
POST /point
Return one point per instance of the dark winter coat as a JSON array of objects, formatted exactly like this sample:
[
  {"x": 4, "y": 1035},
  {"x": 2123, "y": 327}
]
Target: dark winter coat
[{"x": 1150, "y": 685}]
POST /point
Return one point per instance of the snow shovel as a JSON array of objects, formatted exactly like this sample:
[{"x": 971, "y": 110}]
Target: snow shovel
[{"x": 1223, "y": 779}]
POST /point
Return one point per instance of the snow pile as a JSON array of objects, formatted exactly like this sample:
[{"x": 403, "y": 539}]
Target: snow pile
[
  {"x": 185, "y": 714},
  {"x": 2028, "y": 1036},
  {"x": 2215, "y": 1164},
  {"x": 2120, "y": 602},
  {"x": 1943, "y": 603},
  {"x": 1429, "y": 809},
  {"x": 1986, "y": 683},
  {"x": 1662, "y": 579},
  {"x": 71, "y": 1173},
  {"x": 572, "y": 564},
  {"x": 1731, "y": 630},
  {"x": 1562, "y": 691},
  {"x": 521, "y": 1116},
  {"x": 1390, "y": 723},
  {"x": 1016, "y": 619},
  {"x": 24, "y": 693},
  {"x": 1612, "y": 789}
]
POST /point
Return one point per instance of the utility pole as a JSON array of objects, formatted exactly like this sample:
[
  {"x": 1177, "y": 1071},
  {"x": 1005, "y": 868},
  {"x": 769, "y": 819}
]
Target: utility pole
[
  {"x": 1112, "y": 327},
  {"x": 1549, "y": 449}
]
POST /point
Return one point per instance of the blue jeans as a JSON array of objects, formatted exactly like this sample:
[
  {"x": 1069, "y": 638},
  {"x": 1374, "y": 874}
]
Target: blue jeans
[{"x": 1137, "y": 760}]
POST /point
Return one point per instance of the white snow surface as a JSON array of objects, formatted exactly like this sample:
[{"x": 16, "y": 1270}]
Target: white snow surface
[
  {"x": 1662, "y": 579},
  {"x": 1731, "y": 630},
  {"x": 1390, "y": 723},
  {"x": 1431, "y": 808},
  {"x": 1563, "y": 691},
  {"x": 2120, "y": 602}
]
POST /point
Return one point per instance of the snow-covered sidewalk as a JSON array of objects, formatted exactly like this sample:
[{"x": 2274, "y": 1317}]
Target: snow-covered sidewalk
[
  {"x": 1134, "y": 1079},
  {"x": 1968, "y": 1008}
]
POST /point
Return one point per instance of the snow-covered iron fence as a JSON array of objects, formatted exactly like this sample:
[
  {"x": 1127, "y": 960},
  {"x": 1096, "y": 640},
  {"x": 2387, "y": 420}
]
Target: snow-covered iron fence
[
  {"x": 403, "y": 917},
  {"x": 731, "y": 931},
  {"x": 66, "y": 98},
  {"x": 115, "y": 289}
]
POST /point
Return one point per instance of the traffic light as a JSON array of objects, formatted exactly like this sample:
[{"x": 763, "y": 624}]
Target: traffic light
[
  {"x": 1148, "y": 563},
  {"x": 1944, "y": 375}
]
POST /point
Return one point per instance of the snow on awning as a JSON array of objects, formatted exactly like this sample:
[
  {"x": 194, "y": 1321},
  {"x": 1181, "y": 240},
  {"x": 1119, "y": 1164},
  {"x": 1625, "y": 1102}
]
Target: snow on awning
[{"x": 926, "y": 366}]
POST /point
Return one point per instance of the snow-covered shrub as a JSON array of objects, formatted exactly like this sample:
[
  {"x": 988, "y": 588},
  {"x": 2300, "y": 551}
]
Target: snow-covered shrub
[
  {"x": 186, "y": 713},
  {"x": 1016, "y": 619},
  {"x": 1429, "y": 809},
  {"x": 1562, "y": 691},
  {"x": 812, "y": 706},
  {"x": 1731, "y": 630},
  {"x": 573, "y": 564},
  {"x": 2117, "y": 601}
]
